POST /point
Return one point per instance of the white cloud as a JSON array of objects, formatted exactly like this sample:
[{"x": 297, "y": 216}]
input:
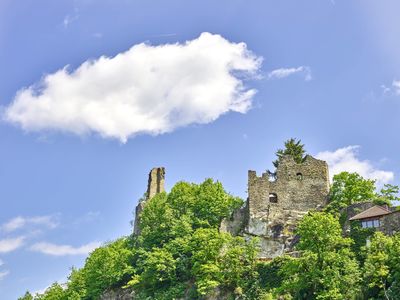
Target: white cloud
[
  {"x": 393, "y": 90},
  {"x": 145, "y": 90},
  {"x": 345, "y": 159},
  {"x": 4, "y": 274},
  {"x": 11, "y": 244},
  {"x": 285, "y": 72},
  {"x": 62, "y": 250},
  {"x": 396, "y": 86},
  {"x": 20, "y": 222}
]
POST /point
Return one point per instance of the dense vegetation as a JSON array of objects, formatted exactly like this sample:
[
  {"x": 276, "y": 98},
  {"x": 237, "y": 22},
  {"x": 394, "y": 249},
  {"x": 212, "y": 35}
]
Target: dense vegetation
[{"x": 180, "y": 252}]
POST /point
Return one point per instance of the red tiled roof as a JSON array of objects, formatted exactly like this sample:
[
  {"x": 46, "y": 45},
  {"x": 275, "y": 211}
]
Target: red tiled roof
[{"x": 374, "y": 211}]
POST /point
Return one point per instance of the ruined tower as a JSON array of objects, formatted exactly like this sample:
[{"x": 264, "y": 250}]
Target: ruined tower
[
  {"x": 275, "y": 206},
  {"x": 155, "y": 185}
]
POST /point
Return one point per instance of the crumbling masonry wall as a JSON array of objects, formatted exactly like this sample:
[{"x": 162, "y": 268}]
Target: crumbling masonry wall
[
  {"x": 155, "y": 185},
  {"x": 275, "y": 207}
]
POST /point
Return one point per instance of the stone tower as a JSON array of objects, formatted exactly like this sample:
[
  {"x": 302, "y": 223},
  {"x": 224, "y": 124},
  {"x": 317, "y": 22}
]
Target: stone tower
[
  {"x": 275, "y": 206},
  {"x": 155, "y": 185}
]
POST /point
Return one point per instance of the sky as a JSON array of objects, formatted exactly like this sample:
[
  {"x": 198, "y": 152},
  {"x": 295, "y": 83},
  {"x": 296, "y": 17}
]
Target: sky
[{"x": 93, "y": 94}]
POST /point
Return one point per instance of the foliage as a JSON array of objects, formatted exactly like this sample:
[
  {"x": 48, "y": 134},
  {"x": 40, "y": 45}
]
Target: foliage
[
  {"x": 54, "y": 292},
  {"x": 108, "y": 266},
  {"x": 326, "y": 268},
  {"x": 387, "y": 195},
  {"x": 180, "y": 243},
  {"x": 294, "y": 148},
  {"x": 382, "y": 267},
  {"x": 359, "y": 235},
  {"x": 348, "y": 188},
  {"x": 270, "y": 274},
  {"x": 181, "y": 254},
  {"x": 27, "y": 296}
]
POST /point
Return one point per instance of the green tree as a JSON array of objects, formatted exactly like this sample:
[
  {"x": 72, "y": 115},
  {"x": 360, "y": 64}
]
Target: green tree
[
  {"x": 76, "y": 285},
  {"x": 179, "y": 253},
  {"x": 348, "y": 188},
  {"x": 387, "y": 195},
  {"x": 108, "y": 266},
  {"x": 326, "y": 268},
  {"x": 180, "y": 243},
  {"x": 27, "y": 296},
  {"x": 54, "y": 292},
  {"x": 382, "y": 267},
  {"x": 187, "y": 207},
  {"x": 294, "y": 148},
  {"x": 238, "y": 264}
]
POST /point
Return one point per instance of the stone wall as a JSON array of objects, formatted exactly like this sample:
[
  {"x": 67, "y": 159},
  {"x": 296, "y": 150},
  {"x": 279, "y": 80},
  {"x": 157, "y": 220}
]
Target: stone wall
[
  {"x": 236, "y": 223},
  {"x": 156, "y": 182},
  {"x": 297, "y": 189},
  {"x": 155, "y": 185},
  {"x": 390, "y": 224}
]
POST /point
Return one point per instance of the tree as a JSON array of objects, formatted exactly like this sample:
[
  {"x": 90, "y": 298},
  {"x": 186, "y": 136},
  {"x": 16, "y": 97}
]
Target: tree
[
  {"x": 54, "y": 292},
  {"x": 293, "y": 148},
  {"x": 327, "y": 268},
  {"x": 387, "y": 195},
  {"x": 348, "y": 188},
  {"x": 76, "y": 285},
  {"x": 382, "y": 267},
  {"x": 27, "y": 296},
  {"x": 179, "y": 253},
  {"x": 108, "y": 266}
]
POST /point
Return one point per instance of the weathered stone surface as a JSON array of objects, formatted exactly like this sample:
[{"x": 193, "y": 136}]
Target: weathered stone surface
[
  {"x": 118, "y": 294},
  {"x": 297, "y": 189},
  {"x": 155, "y": 185},
  {"x": 235, "y": 224},
  {"x": 275, "y": 207},
  {"x": 390, "y": 224},
  {"x": 156, "y": 182}
]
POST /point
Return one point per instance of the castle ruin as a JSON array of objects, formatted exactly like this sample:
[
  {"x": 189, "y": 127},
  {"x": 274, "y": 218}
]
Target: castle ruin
[
  {"x": 155, "y": 185},
  {"x": 273, "y": 207}
]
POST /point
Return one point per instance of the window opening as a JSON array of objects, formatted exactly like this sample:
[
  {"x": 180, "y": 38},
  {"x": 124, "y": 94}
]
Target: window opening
[
  {"x": 273, "y": 198},
  {"x": 370, "y": 223}
]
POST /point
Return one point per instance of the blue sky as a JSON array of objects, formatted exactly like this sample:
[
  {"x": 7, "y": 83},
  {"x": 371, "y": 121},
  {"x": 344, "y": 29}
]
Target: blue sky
[{"x": 211, "y": 89}]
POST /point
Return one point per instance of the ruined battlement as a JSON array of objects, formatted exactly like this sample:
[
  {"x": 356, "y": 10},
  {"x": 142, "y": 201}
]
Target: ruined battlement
[
  {"x": 297, "y": 186},
  {"x": 276, "y": 205},
  {"x": 155, "y": 185},
  {"x": 156, "y": 182}
]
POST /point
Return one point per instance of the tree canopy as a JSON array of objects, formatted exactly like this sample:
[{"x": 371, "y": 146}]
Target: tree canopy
[
  {"x": 181, "y": 253},
  {"x": 293, "y": 148}
]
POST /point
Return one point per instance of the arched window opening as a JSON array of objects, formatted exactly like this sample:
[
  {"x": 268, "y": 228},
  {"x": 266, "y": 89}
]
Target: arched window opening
[
  {"x": 273, "y": 198},
  {"x": 299, "y": 176}
]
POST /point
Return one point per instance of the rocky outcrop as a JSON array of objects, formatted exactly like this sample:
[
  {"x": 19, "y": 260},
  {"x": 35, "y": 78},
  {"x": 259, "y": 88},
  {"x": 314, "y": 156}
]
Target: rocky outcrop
[{"x": 118, "y": 294}]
